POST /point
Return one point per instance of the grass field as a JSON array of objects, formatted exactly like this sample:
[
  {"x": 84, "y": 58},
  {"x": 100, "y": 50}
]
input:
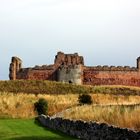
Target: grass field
[
  {"x": 21, "y": 105},
  {"x": 49, "y": 87},
  {"x": 17, "y": 129},
  {"x": 17, "y": 100}
]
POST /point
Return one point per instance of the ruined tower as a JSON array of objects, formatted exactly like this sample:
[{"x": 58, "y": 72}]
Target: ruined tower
[
  {"x": 138, "y": 63},
  {"x": 70, "y": 68},
  {"x": 70, "y": 74},
  {"x": 15, "y": 66},
  {"x": 68, "y": 59}
]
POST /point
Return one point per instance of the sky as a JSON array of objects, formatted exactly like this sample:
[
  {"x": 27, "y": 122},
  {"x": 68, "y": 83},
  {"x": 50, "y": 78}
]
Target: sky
[{"x": 105, "y": 32}]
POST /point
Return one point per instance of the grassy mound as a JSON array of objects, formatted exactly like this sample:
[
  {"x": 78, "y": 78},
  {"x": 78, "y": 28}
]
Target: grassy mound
[
  {"x": 49, "y": 87},
  {"x": 44, "y": 87}
]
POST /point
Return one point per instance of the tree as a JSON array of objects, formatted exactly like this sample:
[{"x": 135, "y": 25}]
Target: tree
[
  {"x": 85, "y": 99},
  {"x": 41, "y": 106}
]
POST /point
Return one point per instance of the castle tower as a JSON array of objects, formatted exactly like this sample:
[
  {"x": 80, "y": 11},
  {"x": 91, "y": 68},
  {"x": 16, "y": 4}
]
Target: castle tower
[
  {"x": 15, "y": 66},
  {"x": 70, "y": 74},
  {"x": 70, "y": 68},
  {"x": 138, "y": 63},
  {"x": 68, "y": 59}
]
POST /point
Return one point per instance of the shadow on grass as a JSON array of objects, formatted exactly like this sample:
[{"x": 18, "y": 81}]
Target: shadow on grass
[
  {"x": 38, "y": 138},
  {"x": 64, "y": 136}
]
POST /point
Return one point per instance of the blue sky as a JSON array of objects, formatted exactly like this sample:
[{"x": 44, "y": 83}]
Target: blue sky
[{"x": 105, "y": 32}]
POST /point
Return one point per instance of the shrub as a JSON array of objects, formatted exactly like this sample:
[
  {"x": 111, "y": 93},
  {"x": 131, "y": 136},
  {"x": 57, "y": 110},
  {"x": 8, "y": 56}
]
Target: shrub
[
  {"x": 85, "y": 99},
  {"x": 41, "y": 106}
]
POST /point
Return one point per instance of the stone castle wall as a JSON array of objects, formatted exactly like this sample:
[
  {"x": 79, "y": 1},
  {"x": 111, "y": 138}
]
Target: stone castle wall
[
  {"x": 66, "y": 68},
  {"x": 70, "y": 68},
  {"x": 131, "y": 78},
  {"x": 32, "y": 74}
]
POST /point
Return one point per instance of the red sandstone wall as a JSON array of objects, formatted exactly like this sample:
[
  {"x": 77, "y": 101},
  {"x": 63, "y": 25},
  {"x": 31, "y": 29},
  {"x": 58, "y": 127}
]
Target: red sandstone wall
[
  {"x": 37, "y": 75},
  {"x": 91, "y": 75},
  {"x": 45, "y": 72},
  {"x": 131, "y": 78},
  {"x": 42, "y": 75}
]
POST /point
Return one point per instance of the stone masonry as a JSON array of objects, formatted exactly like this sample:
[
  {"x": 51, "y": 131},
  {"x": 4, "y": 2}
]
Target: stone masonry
[
  {"x": 88, "y": 130},
  {"x": 70, "y": 68},
  {"x": 15, "y": 67},
  {"x": 66, "y": 68}
]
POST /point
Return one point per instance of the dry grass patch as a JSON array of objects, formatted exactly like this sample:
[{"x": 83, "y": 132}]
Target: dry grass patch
[
  {"x": 21, "y": 105},
  {"x": 58, "y": 103},
  {"x": 109, "y": 99},
  {"x": 120, "y": 115}
]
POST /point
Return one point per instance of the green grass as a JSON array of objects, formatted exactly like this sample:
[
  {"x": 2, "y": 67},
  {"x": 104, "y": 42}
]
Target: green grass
[{"x": 17, "y": 129}]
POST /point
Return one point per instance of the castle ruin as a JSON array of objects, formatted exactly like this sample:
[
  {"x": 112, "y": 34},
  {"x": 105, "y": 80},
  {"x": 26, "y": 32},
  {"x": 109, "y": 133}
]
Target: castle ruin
[{"x": 70, "y": 68}]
